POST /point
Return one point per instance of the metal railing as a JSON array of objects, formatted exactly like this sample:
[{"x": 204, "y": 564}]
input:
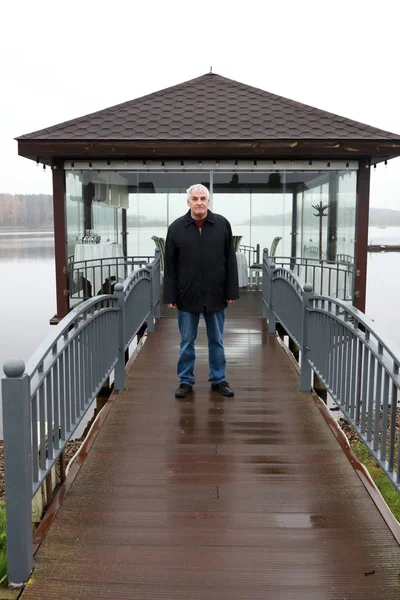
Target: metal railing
[
  {"x": 341, "y": 345},
  {"x": 87, "y": 278},
  {"x": 45, "y": 401},
  {"x": 336, "y": 279},
  {"x": 252, "y": 253}
]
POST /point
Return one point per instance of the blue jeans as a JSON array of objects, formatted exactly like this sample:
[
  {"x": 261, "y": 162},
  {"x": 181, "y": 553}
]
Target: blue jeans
[{"x": 188, "y": 323}]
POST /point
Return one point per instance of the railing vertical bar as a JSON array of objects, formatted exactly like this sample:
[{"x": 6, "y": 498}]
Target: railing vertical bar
[
  {"x": 371, "y": 394},
  {"x": 68, "y": 388},
  {"x": 337, "y": 280},
  {"x": 322, "y": 279},
  {"x": 49, "y": 410},
  {"x": 393, "y": 418},
  {"x": 335, "y": 358},
  {"x": 340, "y": 364},
  {"x": 364, "y": 389},
  {"x": 354, "y": 363},
  {"x": 62, "y": 395},
  {"x": 82, "y": 383},
  {"x": 346, "y": 372},
  {"x": 97, "y": 355},
  {"x": 385, "y": 412},
  {"x": 56, "y": 399},
  {"x": 88, "y": 374},
  {"x": 359, "y": 380},
  {"x": 378, "y": 404},
  {"x": 35, "y": 445},
  {"x": 73, "y": 381},
  {"x": 42, "y": 426},
  {"x": 330, "y": 340},
  {"x": 328, "y": 323}
]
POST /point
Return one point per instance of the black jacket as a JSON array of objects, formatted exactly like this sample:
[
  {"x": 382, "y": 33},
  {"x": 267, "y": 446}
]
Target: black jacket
[{"x": 200, "y": 272}]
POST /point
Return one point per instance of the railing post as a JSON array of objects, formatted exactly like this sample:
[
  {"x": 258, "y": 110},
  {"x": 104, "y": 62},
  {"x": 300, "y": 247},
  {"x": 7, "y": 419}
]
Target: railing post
[
  {"x": 271, "y": 319},
  {"x": 119, "y": 382},
  {"x": 305, "y": 368},
  {"x": 18, "y": 471},
  {"x": 264, "y": 290}
]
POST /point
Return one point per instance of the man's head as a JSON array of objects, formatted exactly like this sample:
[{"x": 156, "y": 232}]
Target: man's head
[{"x": 198, "y": 200}]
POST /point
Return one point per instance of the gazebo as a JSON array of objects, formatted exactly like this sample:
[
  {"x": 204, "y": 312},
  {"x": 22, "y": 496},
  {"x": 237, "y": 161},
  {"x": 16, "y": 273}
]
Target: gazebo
[{"x": 267, "y": 160}]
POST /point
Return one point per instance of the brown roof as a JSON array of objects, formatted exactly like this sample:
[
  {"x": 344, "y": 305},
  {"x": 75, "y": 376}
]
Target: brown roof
[{"x": 211, "y": 107}]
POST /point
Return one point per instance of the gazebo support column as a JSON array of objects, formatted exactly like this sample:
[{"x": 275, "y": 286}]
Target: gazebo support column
[
  {"x": 60, "y": 239},
  {"x": 332, "y": 217},
  {"x": 362, "y": 220}
]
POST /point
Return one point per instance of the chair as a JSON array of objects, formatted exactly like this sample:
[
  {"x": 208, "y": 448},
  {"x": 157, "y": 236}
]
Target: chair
[
  {"x": 312, "y": 252},
  {"x": 236, "y": 242},
  {"x": 256, "y": 267},
  {"x": 160, "y": 244},
  {"x": 274, "y": 246}
]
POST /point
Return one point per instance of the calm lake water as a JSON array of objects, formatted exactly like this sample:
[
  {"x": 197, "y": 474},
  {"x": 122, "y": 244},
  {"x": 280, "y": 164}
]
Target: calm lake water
[{"x": 27, "y": 299}]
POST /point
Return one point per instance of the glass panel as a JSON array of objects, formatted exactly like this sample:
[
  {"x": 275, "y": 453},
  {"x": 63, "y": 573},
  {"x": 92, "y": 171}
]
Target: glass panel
[
  {"x": 312, "y": 196},
  {"x": 157, "y": 199},
  {"x": 258, "y": 207},
  {"x": 231, "y": 199},
  {"x": 74, "y": 211},
  {"x": 347, "y": 199}
]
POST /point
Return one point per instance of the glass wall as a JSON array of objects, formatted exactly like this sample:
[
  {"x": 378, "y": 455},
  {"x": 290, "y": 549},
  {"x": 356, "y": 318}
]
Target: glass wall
[
  {"x": 92, "y": 202},
  {"x": 258, "y": 204},
  {"x": 346, "y": 214},
  {"x": 155, "y": 201}
]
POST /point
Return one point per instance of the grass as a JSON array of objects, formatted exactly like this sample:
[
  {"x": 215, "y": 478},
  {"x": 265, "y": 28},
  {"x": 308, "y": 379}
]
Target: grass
[
  {"x": 3, "y": 545},
  {"x": 390, "y": 495}
]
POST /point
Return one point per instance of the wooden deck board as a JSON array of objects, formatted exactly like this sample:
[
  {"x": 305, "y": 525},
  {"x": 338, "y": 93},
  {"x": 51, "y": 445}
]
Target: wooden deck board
[{"x": 248, "y": 497}]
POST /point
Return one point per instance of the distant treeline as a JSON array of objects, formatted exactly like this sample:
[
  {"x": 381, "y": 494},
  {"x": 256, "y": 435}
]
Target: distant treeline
[
  {"x": 26, "y": 210},
  {"x": 36, "y": 211}
]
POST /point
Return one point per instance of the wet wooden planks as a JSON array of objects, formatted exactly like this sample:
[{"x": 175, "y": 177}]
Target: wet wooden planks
[{"x": 250, "y": 497}]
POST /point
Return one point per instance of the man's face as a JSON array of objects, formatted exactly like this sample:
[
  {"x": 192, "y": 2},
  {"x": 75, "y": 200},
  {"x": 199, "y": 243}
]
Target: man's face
[{"x": 198, "y": 203}]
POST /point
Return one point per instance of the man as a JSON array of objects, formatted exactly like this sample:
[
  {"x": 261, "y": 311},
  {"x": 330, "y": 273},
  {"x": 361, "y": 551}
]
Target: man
[{"x": 200, "y": 277}]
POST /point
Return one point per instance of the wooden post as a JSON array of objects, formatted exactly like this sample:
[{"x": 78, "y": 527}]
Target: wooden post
[
  {"x": 362, "y": 219},
  {"x": 60, "y": 239}
]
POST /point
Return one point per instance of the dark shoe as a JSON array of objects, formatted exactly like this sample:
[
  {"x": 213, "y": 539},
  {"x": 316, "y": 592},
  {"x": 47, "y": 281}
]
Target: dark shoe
[
  {"x": 222, "y": 388},
  {"x": 183, "y": 390}
]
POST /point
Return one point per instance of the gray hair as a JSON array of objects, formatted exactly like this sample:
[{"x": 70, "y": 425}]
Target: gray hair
[{"x": 198, "y": 187}]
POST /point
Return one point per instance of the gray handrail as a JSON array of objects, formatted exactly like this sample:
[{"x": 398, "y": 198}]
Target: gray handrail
[
  {"x": 45, "y": 400},
  {"x": 357, "y": 363},
  {"x": 87, "y": 277},
  {"x": 336, "y": 279}
]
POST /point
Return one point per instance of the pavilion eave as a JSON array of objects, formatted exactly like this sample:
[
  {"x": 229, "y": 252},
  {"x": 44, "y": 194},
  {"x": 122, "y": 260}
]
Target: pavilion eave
[{"x": 49, "y": 151}]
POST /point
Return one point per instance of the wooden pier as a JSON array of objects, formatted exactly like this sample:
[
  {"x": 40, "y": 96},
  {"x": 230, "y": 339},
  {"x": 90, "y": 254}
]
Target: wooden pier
[{"x": 250, "y": 497}]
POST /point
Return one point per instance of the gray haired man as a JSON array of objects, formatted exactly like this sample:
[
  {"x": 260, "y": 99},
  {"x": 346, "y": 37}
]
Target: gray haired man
[{"x": 200, "y": 277}]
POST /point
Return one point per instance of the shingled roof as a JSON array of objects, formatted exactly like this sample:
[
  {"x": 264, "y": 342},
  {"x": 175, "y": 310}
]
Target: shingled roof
[{"x": 211, "y": 108}]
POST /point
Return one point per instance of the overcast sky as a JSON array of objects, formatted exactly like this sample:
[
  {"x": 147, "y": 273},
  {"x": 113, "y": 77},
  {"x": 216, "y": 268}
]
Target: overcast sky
[{"x": 64, "y": 60}]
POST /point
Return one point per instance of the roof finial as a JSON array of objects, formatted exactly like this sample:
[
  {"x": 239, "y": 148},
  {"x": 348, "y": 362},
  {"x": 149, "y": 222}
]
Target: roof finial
[{"x": 211, "y": 69}]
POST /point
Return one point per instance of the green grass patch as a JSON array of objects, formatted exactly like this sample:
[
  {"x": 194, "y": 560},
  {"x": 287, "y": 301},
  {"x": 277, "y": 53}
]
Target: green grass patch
[
  {"x": 389, "y": 493},
  {"x": 3, "y": 545}
]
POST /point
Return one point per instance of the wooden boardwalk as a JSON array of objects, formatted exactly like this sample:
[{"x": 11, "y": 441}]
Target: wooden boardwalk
[{"x": 249, "y": 497}]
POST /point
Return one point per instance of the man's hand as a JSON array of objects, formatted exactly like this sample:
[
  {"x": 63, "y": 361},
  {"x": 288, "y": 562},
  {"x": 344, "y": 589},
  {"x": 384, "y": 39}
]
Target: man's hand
[
  {"x": 171, "y": 305},
  {"x": 230, "y": 301}
]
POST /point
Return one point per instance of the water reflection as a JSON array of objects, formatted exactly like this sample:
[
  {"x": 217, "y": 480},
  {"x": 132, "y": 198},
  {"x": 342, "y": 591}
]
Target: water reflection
[
  {"x": 27, "y": 300},
  {"x": 33, "y": 246}
]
